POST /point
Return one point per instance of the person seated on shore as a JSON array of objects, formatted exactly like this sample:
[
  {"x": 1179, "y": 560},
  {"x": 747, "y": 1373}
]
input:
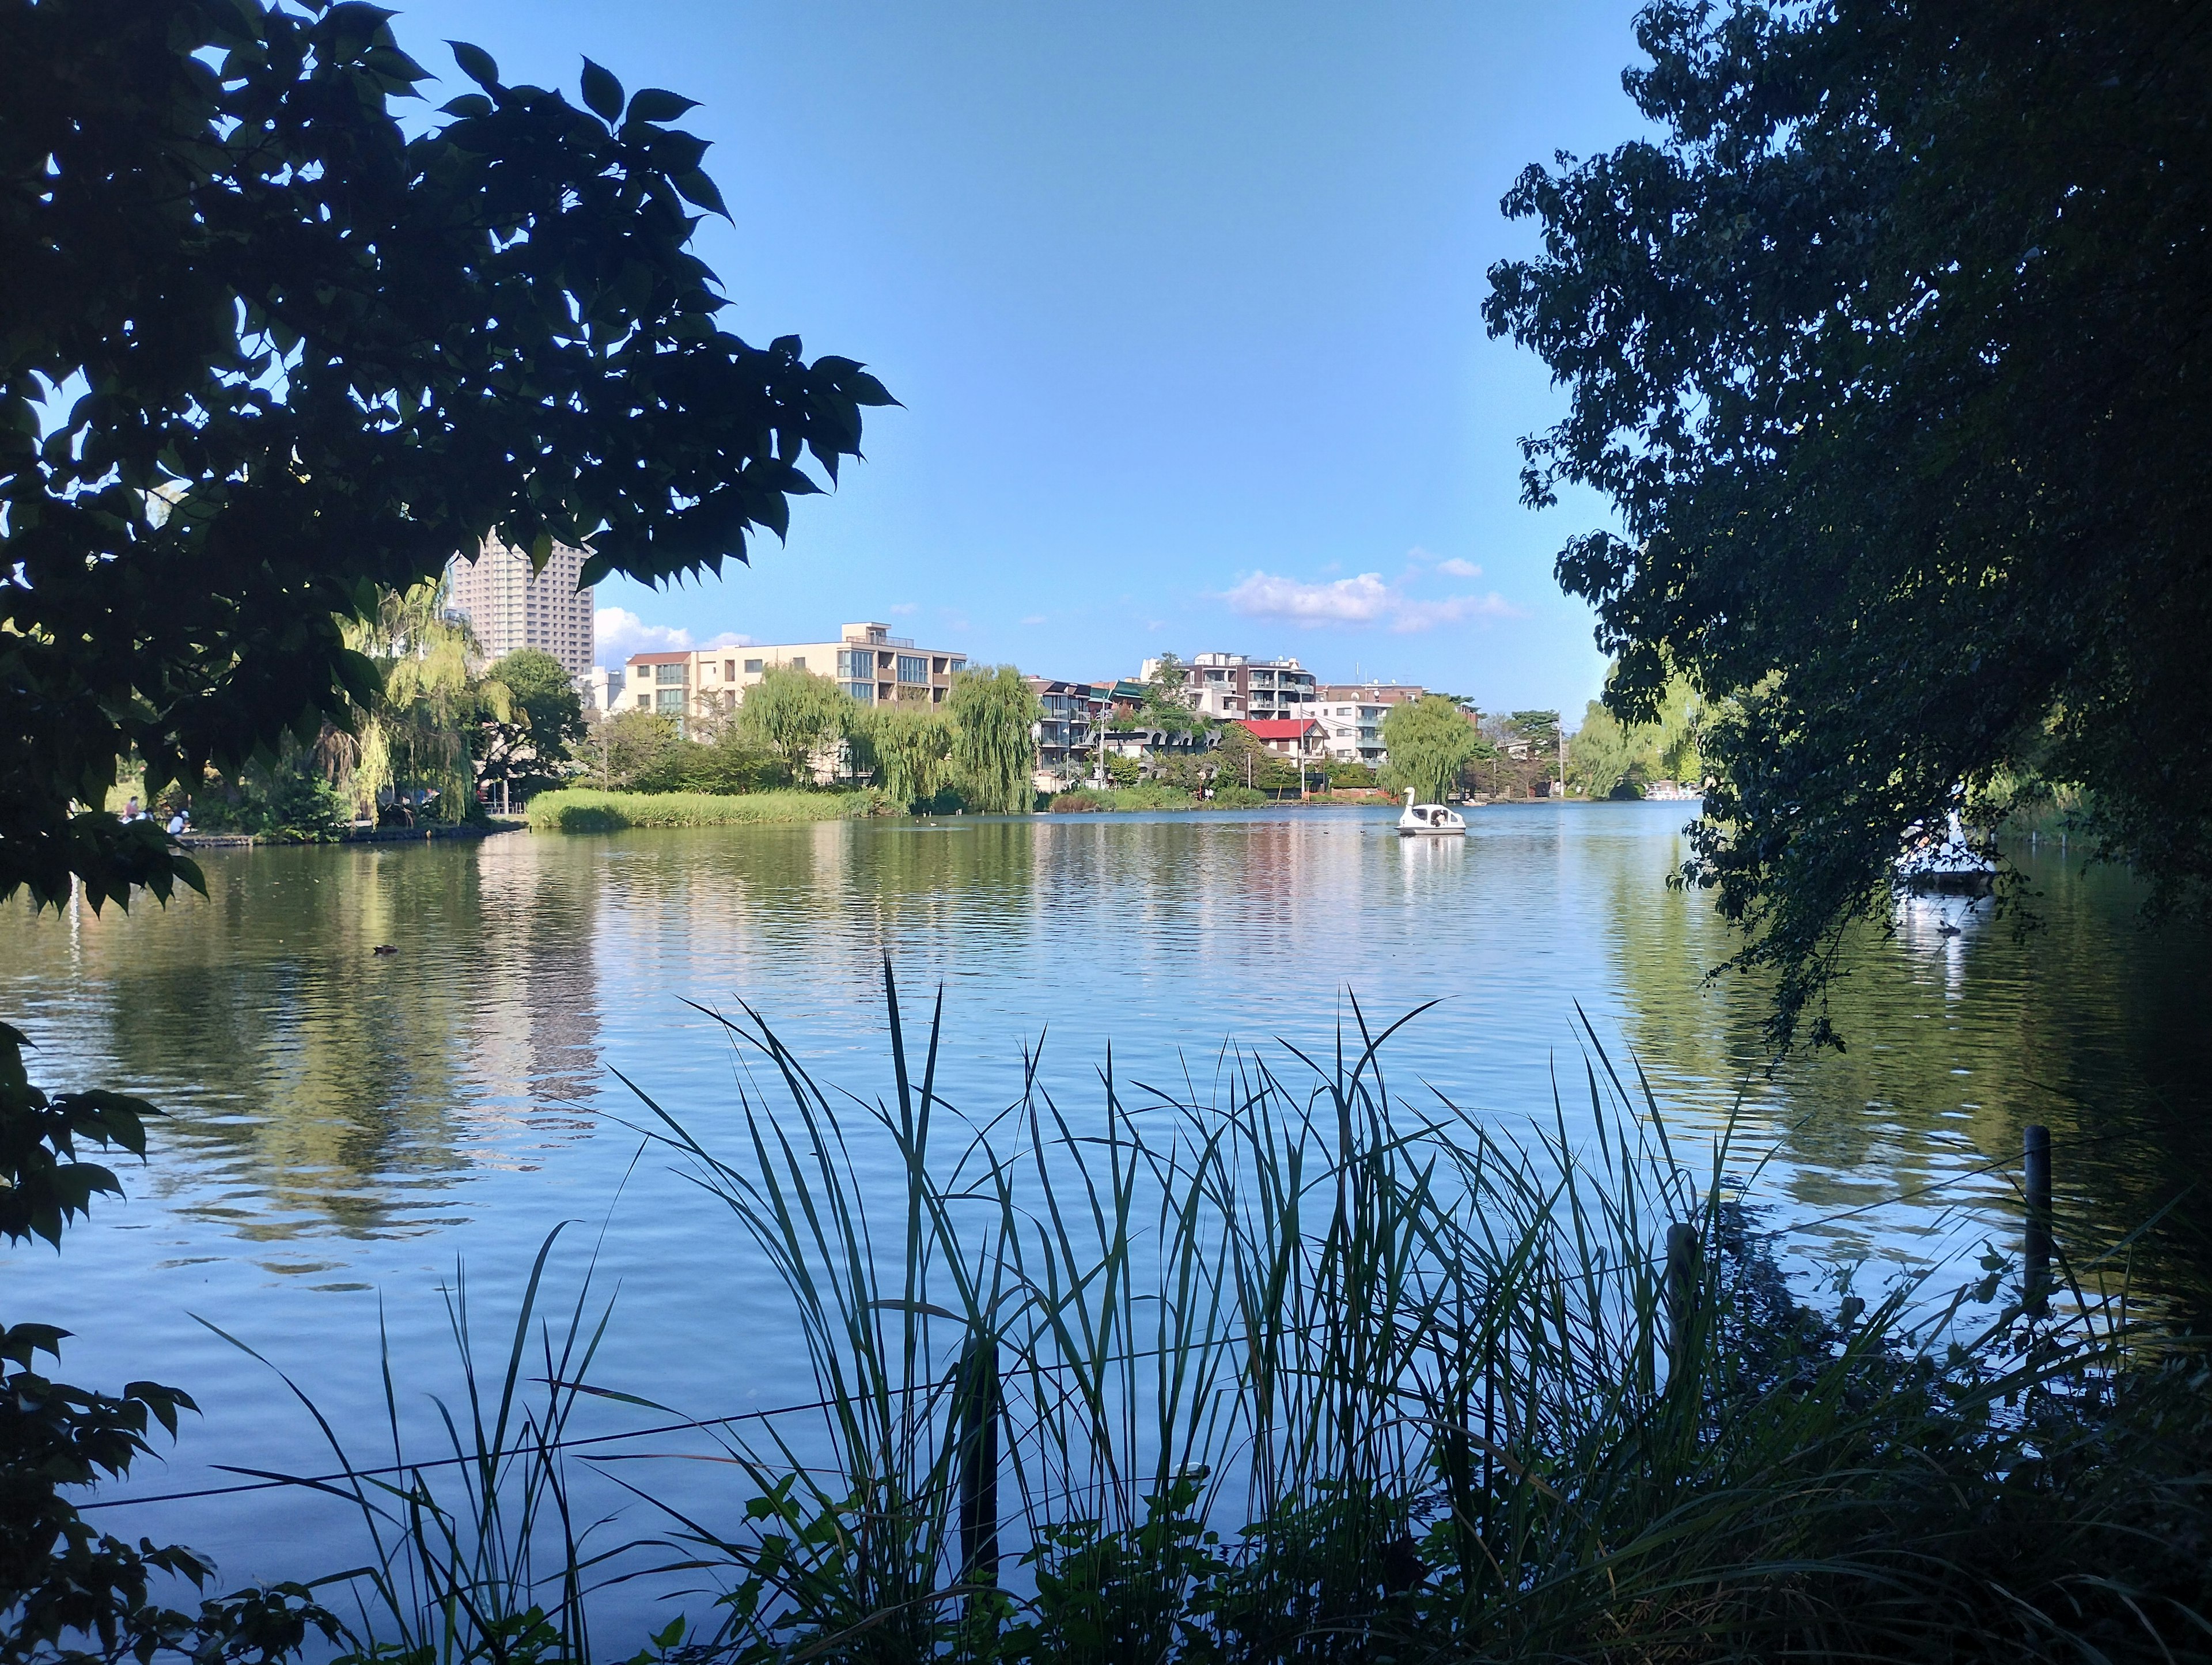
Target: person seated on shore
[
  {"x": 395, "y": 815},
  {"x": 180, "y": 822},
  {"x": 131, "y": 809}
]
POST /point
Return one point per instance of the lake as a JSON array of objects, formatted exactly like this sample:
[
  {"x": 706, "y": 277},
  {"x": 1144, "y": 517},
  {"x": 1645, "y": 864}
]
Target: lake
[{"x": 345, "y": 1126}]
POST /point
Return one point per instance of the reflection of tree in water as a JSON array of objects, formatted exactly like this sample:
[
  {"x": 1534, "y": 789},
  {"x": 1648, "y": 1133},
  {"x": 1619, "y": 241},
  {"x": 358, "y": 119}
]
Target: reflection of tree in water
[
  {"x": 311, "y": 1082},
  {"x": 1954, "y": 1043}
]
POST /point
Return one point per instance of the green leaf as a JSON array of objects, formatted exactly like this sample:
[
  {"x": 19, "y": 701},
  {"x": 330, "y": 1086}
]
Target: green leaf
[
  {"x": 472, "y": 106},
  {"x": 700, "y": 192},
  {"x": 659, "y": 104},
  {"x": 602, "y": 92},
  {"x": 476, "y": 64}
]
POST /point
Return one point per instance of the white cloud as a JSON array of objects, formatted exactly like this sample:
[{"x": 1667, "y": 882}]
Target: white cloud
[
  {"x": 1365, "y": 599},
  {"x": 1459, "y": 569},
  {"x": 1033, "y": 618},
  {"x": 901, "y": 609},
  {"x": 1358, "y": 600},
  {"x": 621, "y": 633}
]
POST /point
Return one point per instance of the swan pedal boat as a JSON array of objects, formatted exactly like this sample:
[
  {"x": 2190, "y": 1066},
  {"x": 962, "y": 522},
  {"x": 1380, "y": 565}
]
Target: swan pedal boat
[{"x": 1430, "y": 821}]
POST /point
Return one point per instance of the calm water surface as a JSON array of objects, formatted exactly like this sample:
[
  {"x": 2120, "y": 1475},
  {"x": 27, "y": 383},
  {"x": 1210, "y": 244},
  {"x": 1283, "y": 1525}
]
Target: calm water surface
[{"x": 345, "y": 1126}]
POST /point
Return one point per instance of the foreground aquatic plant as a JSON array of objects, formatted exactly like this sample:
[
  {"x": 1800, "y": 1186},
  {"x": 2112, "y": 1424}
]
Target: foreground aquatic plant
[{"x": 1289, "y": 1370}]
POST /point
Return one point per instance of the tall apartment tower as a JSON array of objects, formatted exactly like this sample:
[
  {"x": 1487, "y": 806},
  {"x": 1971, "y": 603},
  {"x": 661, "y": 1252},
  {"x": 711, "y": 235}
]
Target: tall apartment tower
[{"x": 509, "y": 606}]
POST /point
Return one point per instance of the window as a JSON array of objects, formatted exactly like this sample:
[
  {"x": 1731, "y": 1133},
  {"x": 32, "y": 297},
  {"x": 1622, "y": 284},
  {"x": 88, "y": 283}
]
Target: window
[
  {"x": 864, "y": 692},
  {"x": 959, "y": 664},
  {"x": 913, "y": 667},
  {"x": 669, "y": 700},
  {"x": 666, "y": 674},
  {"x": 855, "y": 662},
  {"x": 643, "y": 671},
  {"x": 729, "y": 669},
  {"x": 752, "y": 667},
  {"x": 799, "y": 664}
]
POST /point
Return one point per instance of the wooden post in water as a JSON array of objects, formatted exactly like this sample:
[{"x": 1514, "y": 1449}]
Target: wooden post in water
[
  {"x": 1684, "y": 1277},
  {"x": 2035, "y": 1153},
  {"x": 975, "y": 1403}
]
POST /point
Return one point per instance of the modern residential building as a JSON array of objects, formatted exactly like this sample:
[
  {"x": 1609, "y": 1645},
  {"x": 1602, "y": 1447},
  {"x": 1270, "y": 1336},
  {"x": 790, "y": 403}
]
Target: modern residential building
[
  {"x": 1233, "y": 686},
  {"x": 1068, "y": 733},
  {"x": 869, "y": 663},
  {"x": 509, "y": 606}
]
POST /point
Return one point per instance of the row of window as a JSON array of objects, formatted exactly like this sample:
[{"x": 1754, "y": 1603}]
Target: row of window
[{"x": 852, "y": 665}]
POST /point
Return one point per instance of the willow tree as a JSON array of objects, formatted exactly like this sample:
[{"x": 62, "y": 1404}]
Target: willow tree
[
  {"x": 416, "y": 730},
  {"x": 1606, "y": 756},
  {"x": 796, "y": 715},
  {"x": 1427, "y": 742},
  {"x": 995, "y": 716},
  {"x": 909, "y": 748}
]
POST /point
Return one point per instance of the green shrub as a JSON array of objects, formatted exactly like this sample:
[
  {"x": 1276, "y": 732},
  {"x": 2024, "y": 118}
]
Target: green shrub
[
  {"x": 1150, "y": 797},
  {"x": 290, "y": 803},
  {"x": 1237, "y": 798}
]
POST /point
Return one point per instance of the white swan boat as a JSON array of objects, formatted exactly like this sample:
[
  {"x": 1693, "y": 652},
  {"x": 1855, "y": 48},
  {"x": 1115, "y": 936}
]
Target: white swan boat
[
  {"x": 1948, "y": 865},
  {"x": 1430, "y": 821}
]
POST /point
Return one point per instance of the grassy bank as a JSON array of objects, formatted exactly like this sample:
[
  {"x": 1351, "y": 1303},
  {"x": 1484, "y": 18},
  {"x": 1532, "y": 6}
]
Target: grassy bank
[
  {"x": 1089, "y": 800},
  {"x": 1291, "y": 1368},
  {"x": 582, "y": 811}
]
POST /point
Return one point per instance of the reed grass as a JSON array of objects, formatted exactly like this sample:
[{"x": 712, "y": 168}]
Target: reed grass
[
  {"x": 578, "y": 810},
  {"x": 1144, "y": 797},
  {"x": 1286, "y": 1369},
  {"x": 1270, "y": 1363}
]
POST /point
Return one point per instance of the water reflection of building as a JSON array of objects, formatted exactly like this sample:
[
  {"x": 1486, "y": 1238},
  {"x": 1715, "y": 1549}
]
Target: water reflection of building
[{"x": 536, "y": 1025}]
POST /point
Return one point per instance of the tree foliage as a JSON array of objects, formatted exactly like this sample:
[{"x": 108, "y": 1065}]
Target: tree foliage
[
  {"x": 1243, "y": 759},
  {"x": 795, "y": 715},
  {"x": 265, "y": 352},
  {"x": 1608, "y": 758},
  {"x": 1889, "y": 348},
  {"x": 1425, "y": 744},
  {"x": 421, "y": 724},
  {"x": 530, "y": 746},
  {"x": 994, "y": 750},
  {"x": 909, "y": 749}
]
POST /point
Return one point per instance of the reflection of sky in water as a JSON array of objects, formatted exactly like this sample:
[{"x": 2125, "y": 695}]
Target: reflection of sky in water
[{"x": 345, "y": 1124}]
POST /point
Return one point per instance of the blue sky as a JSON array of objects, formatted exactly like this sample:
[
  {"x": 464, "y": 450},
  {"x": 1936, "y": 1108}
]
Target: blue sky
[{"x": 1182, "y": 303}]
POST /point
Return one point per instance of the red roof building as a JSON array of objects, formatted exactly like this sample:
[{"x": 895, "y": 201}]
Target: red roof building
[{"x": 1291, "y": 736}]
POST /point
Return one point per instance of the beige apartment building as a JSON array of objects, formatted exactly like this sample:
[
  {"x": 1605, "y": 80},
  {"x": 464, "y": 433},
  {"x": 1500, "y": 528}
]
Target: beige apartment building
[
  {"x": 867, "y": 661},
  {"x": 509, "y": 607},
  {"x": 1351, "y": 716}
]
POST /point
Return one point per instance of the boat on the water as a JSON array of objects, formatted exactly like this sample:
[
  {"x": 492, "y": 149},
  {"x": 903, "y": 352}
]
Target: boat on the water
[
  {"x": 1430, "y": 821},
  {"x": 1948, "y": 865}
]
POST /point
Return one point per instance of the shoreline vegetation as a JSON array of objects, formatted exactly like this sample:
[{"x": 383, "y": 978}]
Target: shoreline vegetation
[
  {"x": 1290, "y": 1366},
  {"x": 585, "y": 810}
]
